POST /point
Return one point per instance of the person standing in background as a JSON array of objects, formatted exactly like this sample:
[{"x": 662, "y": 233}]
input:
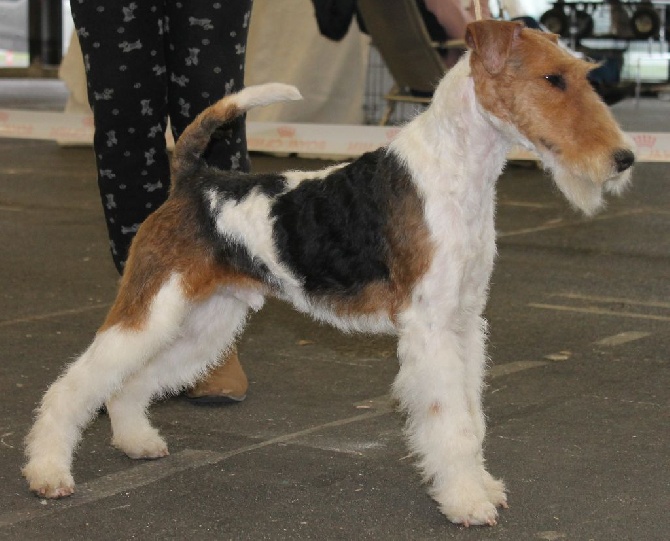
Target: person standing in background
[
  {"x": 447, "y": 20},
  {"x": 147, "y": 61},
  {"x": 453, "y": 15},
  {"x": 444, "y": 20}
]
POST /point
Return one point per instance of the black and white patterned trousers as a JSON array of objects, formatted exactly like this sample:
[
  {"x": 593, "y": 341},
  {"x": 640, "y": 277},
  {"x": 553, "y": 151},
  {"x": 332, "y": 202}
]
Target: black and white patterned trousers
[{"x": 147, "y": 60}]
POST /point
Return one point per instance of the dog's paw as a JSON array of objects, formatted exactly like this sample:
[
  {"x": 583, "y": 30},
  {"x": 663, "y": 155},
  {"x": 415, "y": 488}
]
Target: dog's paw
[
  {"x": 146, "y": 445},
  {"x": 48, "y": 481},
  {"x": 472, "y": 513},
  {"x": 495, "y": 489},
  {"x": 467, "y": 503}
]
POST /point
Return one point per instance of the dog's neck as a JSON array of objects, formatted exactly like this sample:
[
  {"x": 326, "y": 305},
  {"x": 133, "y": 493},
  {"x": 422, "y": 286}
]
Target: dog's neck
[{"x": 452, "y": 150}]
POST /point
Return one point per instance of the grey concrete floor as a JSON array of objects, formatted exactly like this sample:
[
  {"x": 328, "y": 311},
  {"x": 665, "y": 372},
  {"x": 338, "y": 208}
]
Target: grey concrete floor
[{"x": 578, "y": 391}]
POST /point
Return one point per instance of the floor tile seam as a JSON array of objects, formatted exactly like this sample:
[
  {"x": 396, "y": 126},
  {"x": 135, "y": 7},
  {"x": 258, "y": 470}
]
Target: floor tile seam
[
  {"x": 594, "y": 311},
  {"x": 570, "y": 223},
  {"x": 52, "y": 315},
  {"x": 611, "y": 300}
]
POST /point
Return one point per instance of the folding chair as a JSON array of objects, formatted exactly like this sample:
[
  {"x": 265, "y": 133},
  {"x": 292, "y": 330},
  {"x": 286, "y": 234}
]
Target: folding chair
[{"x": 399, "y": 34}]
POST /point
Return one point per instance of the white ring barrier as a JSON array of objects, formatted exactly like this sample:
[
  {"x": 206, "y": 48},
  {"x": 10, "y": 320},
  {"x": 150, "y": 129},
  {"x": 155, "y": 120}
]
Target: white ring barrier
[{"x": 343, "y": 141}]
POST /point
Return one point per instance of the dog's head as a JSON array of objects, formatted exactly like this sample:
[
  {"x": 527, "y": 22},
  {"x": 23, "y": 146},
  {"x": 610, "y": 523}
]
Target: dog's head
[{"x": 538, "y": 94}]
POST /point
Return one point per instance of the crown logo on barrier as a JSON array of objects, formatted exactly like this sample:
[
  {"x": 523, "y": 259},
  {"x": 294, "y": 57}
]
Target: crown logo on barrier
[
  {"x": 645, "y": 140},
  {"x": 286, "y": 131},
  {"x": 391, "y": 133}
]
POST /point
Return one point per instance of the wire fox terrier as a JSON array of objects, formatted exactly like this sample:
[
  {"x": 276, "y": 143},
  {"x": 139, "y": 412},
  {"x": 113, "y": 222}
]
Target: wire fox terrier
[{"x": 401, "y": 240}]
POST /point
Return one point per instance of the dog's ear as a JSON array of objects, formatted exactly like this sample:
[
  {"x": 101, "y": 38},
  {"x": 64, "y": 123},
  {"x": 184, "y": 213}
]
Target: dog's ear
[
  {"x": 548, "y": 35},
  {"x": 492, "y": 41}
]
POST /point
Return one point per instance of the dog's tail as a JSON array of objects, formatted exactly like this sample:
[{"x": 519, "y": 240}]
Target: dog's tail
[{"x": 193, "y": 142}]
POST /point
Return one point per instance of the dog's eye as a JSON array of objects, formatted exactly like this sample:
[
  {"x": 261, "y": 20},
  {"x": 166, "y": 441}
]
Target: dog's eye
[{"x": 556, "y": 80}]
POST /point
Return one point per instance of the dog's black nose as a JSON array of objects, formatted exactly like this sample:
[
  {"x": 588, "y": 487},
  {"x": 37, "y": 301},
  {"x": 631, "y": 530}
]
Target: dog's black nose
[{"x": 623, "y": 158}]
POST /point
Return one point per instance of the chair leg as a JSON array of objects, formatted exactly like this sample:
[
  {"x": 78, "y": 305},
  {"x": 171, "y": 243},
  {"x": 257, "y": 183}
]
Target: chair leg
[{"x": 390, "y": 108}]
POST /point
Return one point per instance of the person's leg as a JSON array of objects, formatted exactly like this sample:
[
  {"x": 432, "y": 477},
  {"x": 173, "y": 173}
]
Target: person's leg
[
  {"x": 124, "y": 56},
  {"x": 205, "y": 53},
  {"x": 206, "y": 45},
  {"x": 123, "y": 51},
  {"x": 225, "y": 382}
]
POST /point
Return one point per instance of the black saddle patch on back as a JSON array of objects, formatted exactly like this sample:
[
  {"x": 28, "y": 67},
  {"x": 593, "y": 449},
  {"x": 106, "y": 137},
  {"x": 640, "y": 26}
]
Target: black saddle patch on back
[{"x": 331, "y": 232}]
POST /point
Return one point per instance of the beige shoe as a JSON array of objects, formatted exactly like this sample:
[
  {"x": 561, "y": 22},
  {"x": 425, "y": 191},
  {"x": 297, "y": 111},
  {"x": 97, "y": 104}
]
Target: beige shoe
[{"x": 226, "y": 382}]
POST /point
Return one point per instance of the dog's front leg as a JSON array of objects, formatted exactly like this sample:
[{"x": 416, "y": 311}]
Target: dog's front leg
[
  {"x": 433, "y": 386},
  {"x": 474, "y": 347}
]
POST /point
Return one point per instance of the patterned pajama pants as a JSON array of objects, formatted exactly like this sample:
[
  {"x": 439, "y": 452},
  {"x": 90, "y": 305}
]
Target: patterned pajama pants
[{"x": 147, "y": 60}]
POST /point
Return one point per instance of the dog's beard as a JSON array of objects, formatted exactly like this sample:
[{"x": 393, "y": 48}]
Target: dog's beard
[
  {"x": 617, "y": 184},
  {"x": 580, "y": 191},
  {"x": 583, "y": 187}
]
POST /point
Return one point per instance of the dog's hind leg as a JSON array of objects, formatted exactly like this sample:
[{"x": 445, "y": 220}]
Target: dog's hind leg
[
  {"x": 208, "y": 330},
  {"x": 117, "y": 351}
]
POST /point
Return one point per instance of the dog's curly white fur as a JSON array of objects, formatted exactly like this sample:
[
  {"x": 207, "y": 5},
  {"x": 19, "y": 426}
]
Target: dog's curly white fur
[{"x": 401, "y": 240}]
